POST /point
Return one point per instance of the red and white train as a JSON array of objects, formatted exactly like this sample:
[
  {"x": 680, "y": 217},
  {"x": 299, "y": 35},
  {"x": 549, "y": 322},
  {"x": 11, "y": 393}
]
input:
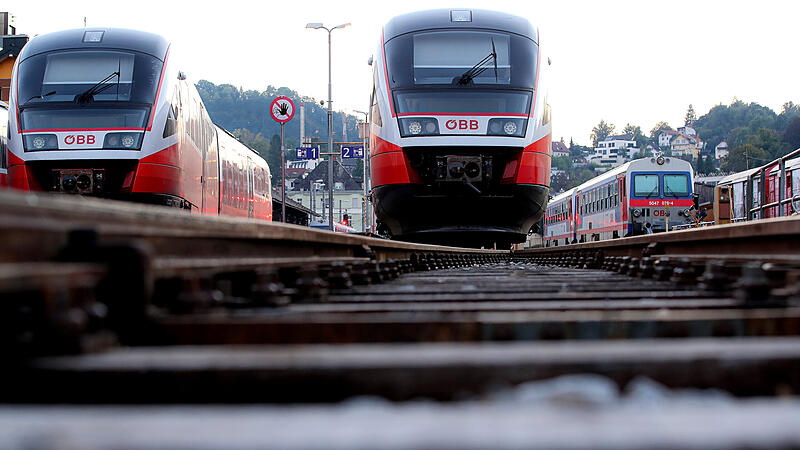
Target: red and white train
[
  {"x": 107, "y": 112},
  {"x": 460, "y": 128},
  {"x": 642, "y": 196}
]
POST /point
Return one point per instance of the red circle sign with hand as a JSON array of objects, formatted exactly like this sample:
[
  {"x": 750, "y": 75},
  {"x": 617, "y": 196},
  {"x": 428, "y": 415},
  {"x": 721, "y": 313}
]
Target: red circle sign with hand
[{"x": 282, "y": 109}]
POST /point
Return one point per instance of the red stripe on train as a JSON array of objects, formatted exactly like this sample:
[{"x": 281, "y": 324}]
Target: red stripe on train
[{"x": 660, "y": 202}]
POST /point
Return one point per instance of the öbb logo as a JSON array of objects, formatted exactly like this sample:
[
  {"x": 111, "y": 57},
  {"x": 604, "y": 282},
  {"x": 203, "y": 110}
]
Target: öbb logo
[
  {"x": 79, "y": 139},
  {"x": 461, "y": 124}
]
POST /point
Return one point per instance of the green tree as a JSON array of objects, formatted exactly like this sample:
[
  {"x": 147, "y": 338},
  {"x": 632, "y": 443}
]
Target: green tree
[
  {"x": 635, "y": 131},
  {"x": 792, "y": 134},
  {"x": 744, "y": 157},
  {"x": 663, "y": 125},
  {"x": 733, "y": 123},
  {"x": 690, "y": 116},
  {"x": 601, "y": 131},
  {"x": 358, "y": 170},
  {"x": 562, "y": 162}
]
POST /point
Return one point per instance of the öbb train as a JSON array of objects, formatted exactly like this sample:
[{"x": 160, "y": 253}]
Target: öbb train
[
  {"x": 460, "y": 128},
  {"x": 107, "y": 112},
  {"x": 642, "y": 196}
]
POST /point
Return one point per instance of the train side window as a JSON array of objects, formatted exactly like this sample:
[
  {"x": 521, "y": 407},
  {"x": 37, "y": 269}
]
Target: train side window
[{"x": 375, "y": 111}]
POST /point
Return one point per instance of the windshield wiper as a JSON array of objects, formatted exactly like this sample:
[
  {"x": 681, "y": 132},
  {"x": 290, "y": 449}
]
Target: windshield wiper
[
  {"x": 39, "y": 96},
  {"x": 654, "y": 191},
  {"x": 467, "y": 77},
  {"x": 101, "y": 86},
  {"x": 671, "y": 192}
]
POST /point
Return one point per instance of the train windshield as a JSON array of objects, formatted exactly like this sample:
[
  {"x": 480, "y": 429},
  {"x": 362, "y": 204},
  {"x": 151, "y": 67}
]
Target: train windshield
[
  {"x": 473, "y": 101},
  {"x": 676, "y": 185},
  {"x": 66, "y": 118},
  {"x": 81, "y": 83},
  {"x": 645, "y": 185},
  {"x": 461, "y": 59}
]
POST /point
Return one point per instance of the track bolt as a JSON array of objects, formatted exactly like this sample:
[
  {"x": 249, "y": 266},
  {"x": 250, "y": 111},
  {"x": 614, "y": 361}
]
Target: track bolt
[
  {"x": 714, "y": 278},
  {"x": 753, "y": 285},
  {"x": 646, "y": 267}
]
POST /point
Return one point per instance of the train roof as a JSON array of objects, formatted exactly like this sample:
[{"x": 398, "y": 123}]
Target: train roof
[
  {"x": 790, "y": 164},
  {"x": 738, "y": 176},
  {"x": 110, "y": 38},
  {"x": 611, "y": 174},
  {"x": 441, "y": 18},
  {"x": 564, "y": 195},
  {"x": 219, "y": 128}
]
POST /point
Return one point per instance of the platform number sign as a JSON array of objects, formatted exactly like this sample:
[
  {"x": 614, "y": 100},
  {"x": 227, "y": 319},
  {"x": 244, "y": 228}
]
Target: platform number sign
[
  {"x": 353, "y": 152},
  {"x": 307, "y": 152},
  {"x": 282, "y": 109}
]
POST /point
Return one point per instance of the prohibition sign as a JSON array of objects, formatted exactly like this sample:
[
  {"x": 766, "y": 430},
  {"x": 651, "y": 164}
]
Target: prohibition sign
[{"x": 282, "y": 109}]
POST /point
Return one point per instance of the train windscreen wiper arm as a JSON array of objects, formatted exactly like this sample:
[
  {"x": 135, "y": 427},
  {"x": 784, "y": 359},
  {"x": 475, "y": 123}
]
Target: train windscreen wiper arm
[
  {"x": 101, "y": 86},
  {"x": 479, "y": 68}
]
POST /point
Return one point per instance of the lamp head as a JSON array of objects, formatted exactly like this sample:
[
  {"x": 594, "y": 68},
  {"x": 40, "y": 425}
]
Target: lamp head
[{"x": 314, "y": 25}]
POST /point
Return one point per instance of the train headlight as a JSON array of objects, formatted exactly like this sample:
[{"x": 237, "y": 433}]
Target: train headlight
[
  {"x": 636, "y": 213},
  {"x": 128, "y": 141},
  {"x": 123, "y": 141},
  {"x": 660, "y": 160},
  {"x": 510, "y": 127},
  {"x": 686, "y": 212},
  {"x": 37, "y": 142},
  {"x": 419, "y": 126},
  {"x": 506, "y": 127}
]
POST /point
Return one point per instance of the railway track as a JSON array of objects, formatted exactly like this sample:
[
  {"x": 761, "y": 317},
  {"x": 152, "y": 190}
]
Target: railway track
[{"x": 184, "y": 331}]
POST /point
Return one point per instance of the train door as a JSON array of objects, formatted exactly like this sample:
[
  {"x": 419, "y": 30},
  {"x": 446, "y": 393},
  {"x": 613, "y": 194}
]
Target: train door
[
  {"x": 211, "y": 176},
  {"x": 250, "y": 187},
  {"x": 771, "y": 197},
  {"x": 578, "y": 213},
  {"x": 623, "y": 200}
]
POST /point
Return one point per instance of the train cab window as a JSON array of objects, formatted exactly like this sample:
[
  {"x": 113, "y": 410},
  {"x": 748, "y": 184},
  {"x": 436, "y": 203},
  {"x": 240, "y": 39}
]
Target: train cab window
[
  {"x": 676, "y": 185},
  {"x": 645, "y": 185}
]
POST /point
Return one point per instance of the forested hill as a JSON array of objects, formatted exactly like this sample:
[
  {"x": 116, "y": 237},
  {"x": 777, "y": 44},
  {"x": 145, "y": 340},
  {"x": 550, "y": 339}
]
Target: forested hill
[{"x": 234, "y": 109}]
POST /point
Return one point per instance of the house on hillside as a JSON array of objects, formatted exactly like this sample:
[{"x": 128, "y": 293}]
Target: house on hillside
[
  {"x": 559, "y": 149},
  {"x": 681, "y": 143},
  {"x": 613, "y": 151},
  {"x": 721, "y": 151}
]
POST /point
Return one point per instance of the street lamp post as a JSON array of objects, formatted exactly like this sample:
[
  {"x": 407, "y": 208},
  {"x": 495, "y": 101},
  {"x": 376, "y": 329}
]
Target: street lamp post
[{"x": 318, "y": 26}]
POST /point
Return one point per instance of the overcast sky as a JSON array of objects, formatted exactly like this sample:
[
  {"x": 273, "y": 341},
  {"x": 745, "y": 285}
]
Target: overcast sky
[{"x": 621, "y": 61}]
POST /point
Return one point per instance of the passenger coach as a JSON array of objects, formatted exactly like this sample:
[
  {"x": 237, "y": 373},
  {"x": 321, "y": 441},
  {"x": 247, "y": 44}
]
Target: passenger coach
[
  {"x": 644, "y": 196},
  {"x": 460, "y": 128},
  {"x": 108, "y": 113}
]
